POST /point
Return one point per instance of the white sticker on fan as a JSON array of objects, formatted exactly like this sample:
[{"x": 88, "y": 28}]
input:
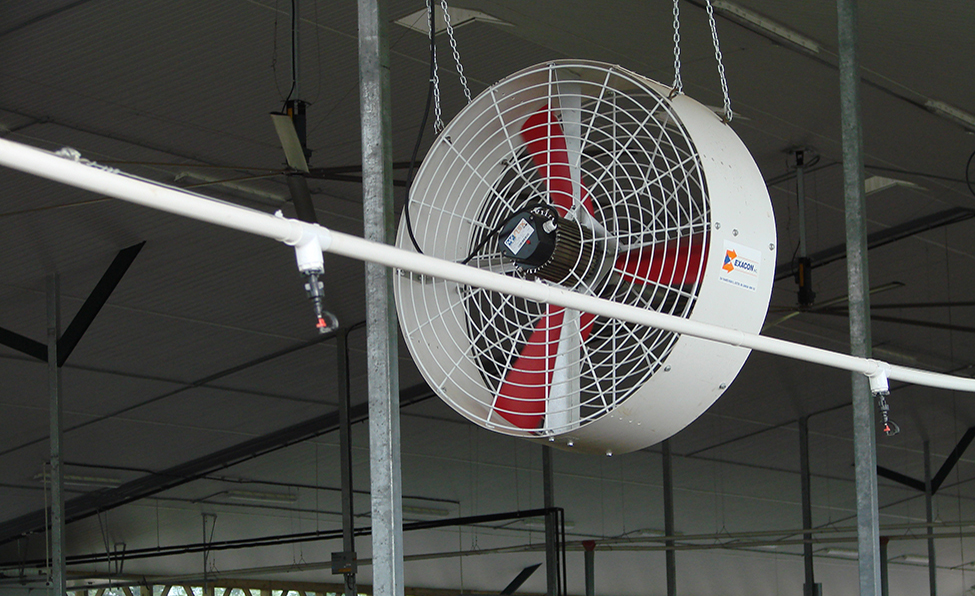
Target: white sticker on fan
[
  {"x": 519, "y": 236},
  {"x": 740, "y": 266}
]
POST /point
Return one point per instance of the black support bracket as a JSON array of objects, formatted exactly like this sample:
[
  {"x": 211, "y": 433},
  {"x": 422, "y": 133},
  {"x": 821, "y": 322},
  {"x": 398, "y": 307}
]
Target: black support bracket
[
  {"x": 938, "y": 479},
  {"x": 85, "y": 316}
]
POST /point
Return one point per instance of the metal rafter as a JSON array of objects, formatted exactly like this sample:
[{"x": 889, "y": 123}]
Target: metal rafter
[
  {"x": 92, "y": 503},
  {"x": 83, "y": 318}
]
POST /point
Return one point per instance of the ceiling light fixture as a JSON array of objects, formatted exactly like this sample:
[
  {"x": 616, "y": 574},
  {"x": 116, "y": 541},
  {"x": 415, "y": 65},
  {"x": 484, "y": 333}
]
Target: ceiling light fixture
[
  {"x": 876, "y": 184},
  {"x": 419, "y": 21},
  {"x": 841, "y": 553},
  {"x": 949, "y": 112},
  {"x": 910, "y": 559},
  {"x": 86, "y": 481},
  {"x": 649, "y": 533},
  {"x": 540, "y": 523},
  {"x": 765, "y": 26},
  {"x": 425, "y": 511},
  {"x": 260, "y": 497}
]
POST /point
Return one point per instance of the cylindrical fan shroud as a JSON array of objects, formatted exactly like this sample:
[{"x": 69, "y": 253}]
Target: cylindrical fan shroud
[{"x": 681, "y": 222}]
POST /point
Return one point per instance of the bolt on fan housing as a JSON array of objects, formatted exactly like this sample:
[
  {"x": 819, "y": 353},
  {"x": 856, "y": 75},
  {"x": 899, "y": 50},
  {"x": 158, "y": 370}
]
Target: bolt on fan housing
[{"x": 589, "y": 177}]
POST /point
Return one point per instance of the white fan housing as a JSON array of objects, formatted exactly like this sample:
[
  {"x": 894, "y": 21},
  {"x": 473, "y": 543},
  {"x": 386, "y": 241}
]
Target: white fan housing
[{"x": 588, "y": 176}]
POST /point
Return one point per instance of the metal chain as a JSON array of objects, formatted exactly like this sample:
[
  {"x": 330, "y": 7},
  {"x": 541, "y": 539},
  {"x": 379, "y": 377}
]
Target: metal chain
[
  {"x": 728, "y": 114},
  {"x": 438, "y": 124},
  {"x": 678, "y": 86},
  {"x": 453, "y": 46}
]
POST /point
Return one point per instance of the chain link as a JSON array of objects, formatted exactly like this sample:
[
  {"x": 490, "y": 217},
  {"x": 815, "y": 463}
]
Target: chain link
[
  {"x": 728, "y": 114},
  {"x": 678, "y": 86},
  {"x": 438, "y": 124},
  {"x": 453, "y": 46}
]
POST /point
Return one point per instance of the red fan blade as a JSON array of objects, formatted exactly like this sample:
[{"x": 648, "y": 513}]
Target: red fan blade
[
  {"x": 674, "y": 262},
  {"x": 546, "y": 142},
  {"x": 521, "y": 399}
]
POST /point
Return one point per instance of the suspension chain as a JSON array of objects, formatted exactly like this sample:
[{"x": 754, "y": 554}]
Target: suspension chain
[
  {"x": 438, "y": 123},
  {"x": 453, "y": 46},
  {"x": 728, "y": 114},
  {"x": 437, "y": 114},
  {"x": 678, "y": 86}
]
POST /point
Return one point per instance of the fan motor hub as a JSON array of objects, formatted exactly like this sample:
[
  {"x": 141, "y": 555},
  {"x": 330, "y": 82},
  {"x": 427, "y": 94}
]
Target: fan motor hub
[{"x": 549, "y": 246}]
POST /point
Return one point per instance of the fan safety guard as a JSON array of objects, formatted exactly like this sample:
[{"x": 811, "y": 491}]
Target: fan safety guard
[{"x": 591, "y": 177}]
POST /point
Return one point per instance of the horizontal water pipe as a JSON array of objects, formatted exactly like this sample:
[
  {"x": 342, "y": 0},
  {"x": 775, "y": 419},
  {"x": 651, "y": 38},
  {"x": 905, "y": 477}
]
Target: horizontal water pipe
[{"x": 71, "y": 170}]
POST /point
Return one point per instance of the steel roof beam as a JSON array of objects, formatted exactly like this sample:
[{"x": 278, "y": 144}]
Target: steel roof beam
[
  {"x": 83, "y": 318},
  {"x": 93, "y": 503},
  {"x": 883, "y": 237}
]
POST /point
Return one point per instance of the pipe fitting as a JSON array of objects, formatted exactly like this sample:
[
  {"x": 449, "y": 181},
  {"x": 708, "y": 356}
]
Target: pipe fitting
[
  {"x": 308, "y": 253},
  {"x": 878, "y": 378},
  {"x": 310, "y": 241}
]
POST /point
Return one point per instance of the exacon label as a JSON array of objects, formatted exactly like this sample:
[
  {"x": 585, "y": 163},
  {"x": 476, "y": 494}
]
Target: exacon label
[{"x": 740, "y": 266}]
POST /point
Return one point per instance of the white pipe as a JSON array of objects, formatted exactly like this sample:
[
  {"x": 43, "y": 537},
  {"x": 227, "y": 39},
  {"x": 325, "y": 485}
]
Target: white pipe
[{"x": 110, "y": 182}]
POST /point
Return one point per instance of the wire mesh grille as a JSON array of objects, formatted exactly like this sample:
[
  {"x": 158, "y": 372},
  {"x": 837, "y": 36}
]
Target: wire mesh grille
[{"x": 607, "y": 153}]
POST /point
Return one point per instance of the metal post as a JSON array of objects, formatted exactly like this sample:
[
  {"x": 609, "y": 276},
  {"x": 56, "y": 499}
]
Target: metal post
[
  {"x": 801, "y": 200},
  {"x": 345, "y": 456},
  {"x": 551, "y": 531},
  {"x": 58, "y": 585},
  {"x": 809, "y": 588},
  {"x": 929, "y": 512},
  {"x": 381, "y": 329},
  {"x": 884, "y": 578},
  {"x": 864, "y": 430},
  {"x": 206, "y": 554},
  {"x": 671, "y": 555},
  {"x": 295, "y": 48},
  {"x": 589, "y": 548},
  {"x": 806, "y": 296}
]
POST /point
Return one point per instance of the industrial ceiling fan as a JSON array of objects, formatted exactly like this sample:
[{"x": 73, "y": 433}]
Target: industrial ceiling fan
[
  {"x": 840, "y": 310},
  {"x": 823, "y": 306},
  {"x": 588, "y": 177}
]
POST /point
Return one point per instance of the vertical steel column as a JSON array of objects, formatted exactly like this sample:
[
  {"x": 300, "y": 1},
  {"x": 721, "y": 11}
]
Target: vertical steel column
[
  {"x": 551, "y": 531},
  {"x": 58, "y": 585},
  {"x": 295, "y": 49},
  {"x": 671, "y": 555},
  {"x": 801, "y": 201},
  {"x": 884, "y": 578},
  {"x": 929, "y": 513},
  {"x": 806, "y": 296},
  {"x": 381, "y": 331},
  {"x": 864, "y": 429},
  {"x": 345, "y": 457},
  {"x": 589, "y": 548},
  {"x": 809, "y": 588}
]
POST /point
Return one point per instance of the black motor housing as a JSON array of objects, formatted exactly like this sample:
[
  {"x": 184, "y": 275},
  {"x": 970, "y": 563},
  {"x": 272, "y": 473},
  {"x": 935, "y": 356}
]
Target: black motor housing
[
  {"x": 547, "y": 245},
  {"x": 528, "y": 238}
]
